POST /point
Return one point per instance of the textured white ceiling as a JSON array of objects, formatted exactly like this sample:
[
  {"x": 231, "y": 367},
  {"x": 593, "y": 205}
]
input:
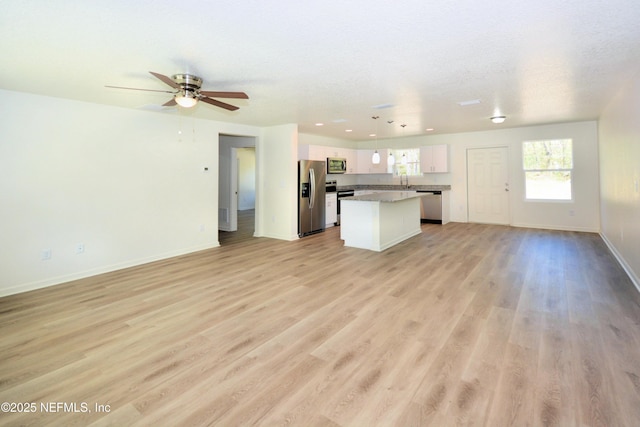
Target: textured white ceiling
[{"x": 332, "y": 61}]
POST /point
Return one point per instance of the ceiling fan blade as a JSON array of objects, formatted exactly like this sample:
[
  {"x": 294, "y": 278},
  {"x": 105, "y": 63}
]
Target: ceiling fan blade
[
  {"x": 166, "y": 79},
  {"x": 213, "y": 94},
  {"x": 219, "y": 104},
  {"x": 135, "y": 88},
  {"x": 170, "y": 103}
]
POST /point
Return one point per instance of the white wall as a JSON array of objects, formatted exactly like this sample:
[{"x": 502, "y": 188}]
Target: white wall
[
  {"x": 619, "y": 143},
  {"x": 122, "y": 182},
  {"x": 551, "y": 215},
  {"x": 277, "y": 163},
  {"x": 246, "y": 178},
  {"x": 308, "y": 139}
]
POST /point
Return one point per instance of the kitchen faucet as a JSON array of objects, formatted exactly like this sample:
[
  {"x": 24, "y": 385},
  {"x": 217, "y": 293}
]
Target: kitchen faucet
[{"x": 406, "y": 178}]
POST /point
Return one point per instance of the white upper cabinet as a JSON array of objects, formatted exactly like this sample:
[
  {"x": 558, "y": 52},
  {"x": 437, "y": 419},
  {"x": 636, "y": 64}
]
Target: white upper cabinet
[
  {"x": 434, "y": 159},
  {"x": 358, "y": 161},
  {"x": 365, "y": 165},
  {"x": 313, "y": 152},
  {"x": 352, "y": 160},
  {"x": 335, "y": 152}
]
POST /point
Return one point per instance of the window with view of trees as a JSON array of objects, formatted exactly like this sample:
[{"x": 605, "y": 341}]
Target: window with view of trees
[
  {"x": 547, "y": 168},
  {"x": 407, "y": 162}
]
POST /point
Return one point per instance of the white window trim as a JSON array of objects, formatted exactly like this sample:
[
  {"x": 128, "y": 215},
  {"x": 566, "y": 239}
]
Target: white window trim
[{"x": 570, "y": 170}]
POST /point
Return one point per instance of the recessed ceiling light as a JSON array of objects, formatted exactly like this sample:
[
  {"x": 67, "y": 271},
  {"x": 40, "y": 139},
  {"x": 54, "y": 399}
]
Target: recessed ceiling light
[
  {"x": 319, "y": 124},
  {"x": 429, "y": 129},
  {"x": 469, "y": 102},
  {"x": 372, "y": 134},
  {"x": 348, "y": 130},
  {"x": 498, "y": 119}
]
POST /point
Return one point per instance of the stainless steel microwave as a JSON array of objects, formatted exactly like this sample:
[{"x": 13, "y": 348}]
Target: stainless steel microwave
[{"x": 336, "y": 165}]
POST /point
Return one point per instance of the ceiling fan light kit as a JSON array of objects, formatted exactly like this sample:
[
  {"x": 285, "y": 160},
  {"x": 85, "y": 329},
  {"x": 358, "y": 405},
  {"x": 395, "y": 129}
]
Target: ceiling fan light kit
[
  {"x": 498, "y": 119},
  {"x": 186, "y": 99}
]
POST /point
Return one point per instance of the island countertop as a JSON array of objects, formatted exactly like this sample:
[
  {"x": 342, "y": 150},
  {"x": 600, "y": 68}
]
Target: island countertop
[
  {"x": 382, "y": 187},
  {"x": 386, "y": 197}
]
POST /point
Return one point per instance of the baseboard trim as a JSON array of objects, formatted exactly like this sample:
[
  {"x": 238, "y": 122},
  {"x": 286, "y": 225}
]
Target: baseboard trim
[
  {"x": 626, "y": 267},
  {"x": 557, "y": 228},
  {"x": 58, "y": 280}
]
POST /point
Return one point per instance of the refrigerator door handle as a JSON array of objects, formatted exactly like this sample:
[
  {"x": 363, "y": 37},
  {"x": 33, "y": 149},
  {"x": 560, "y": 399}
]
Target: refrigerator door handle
[{"x": 312, "y": 180}]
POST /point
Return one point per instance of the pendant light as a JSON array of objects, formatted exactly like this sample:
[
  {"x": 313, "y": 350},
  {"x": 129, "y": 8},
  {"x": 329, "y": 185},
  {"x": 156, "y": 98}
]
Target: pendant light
[
  {"x": 404, "y": 155},
  {"x": 391, "y": 160},
  {"x": 375, "y": 159}
]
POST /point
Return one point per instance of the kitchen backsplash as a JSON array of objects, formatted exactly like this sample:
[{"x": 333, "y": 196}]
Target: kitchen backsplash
[{"x": 387, "y": 179}]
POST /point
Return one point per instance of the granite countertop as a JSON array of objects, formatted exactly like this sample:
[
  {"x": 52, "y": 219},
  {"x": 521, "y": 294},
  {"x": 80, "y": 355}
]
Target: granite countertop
[
  {"x": 386, "y": 197},
  {"x": 394, "y": 187}
]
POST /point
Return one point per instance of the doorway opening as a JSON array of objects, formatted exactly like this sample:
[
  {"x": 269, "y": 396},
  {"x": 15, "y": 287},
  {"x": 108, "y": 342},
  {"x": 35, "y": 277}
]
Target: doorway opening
[{"x": 237, "y": 189}]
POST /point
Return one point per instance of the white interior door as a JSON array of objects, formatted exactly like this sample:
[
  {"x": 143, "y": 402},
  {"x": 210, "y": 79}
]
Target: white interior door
[
  {"x": 488, "y": 185},
  {"x": 233, "y": 190}
]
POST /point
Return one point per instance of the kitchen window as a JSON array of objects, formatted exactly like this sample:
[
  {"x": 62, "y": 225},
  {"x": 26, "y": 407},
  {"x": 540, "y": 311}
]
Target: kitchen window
[
  {"x": 407, "y": 162},
  {"x": 548, "y": 165}
]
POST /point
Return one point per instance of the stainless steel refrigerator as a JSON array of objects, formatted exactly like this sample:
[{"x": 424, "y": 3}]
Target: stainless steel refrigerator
[{"x": 311, "y": 196}]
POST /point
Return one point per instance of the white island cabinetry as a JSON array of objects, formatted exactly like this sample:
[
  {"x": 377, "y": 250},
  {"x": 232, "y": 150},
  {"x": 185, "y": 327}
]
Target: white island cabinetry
[{"x": 378, "y": 221}]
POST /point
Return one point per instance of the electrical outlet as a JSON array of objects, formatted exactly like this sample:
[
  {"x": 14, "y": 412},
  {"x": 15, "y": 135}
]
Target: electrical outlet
[
  {"x": 45, "y": 255},
  {"x": 80, "y": 248},
  {"x": 201, "y": 227}
]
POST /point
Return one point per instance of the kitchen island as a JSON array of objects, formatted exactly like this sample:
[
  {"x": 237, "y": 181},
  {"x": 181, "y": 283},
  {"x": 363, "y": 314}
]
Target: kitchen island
[{"x": 380, "y": 220}]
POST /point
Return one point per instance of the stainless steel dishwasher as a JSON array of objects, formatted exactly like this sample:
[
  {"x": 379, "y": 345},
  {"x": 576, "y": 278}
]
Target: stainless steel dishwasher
[{"x": 431, "y": 206}]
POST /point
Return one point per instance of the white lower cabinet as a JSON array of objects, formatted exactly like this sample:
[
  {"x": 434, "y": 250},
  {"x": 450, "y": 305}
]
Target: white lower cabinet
[{"x": 331, "y": 209}]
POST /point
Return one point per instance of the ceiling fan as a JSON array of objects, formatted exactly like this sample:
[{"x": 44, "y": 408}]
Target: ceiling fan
[{"x": 187, "y": 92}]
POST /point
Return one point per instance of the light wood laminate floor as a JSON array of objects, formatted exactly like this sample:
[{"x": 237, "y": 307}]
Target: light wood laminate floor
[{"x": 465, "y": 324}]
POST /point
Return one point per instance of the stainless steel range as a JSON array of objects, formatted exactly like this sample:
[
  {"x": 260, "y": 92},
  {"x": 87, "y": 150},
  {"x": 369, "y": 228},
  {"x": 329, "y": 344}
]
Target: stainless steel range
[{"x": 342, "y": 194}]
